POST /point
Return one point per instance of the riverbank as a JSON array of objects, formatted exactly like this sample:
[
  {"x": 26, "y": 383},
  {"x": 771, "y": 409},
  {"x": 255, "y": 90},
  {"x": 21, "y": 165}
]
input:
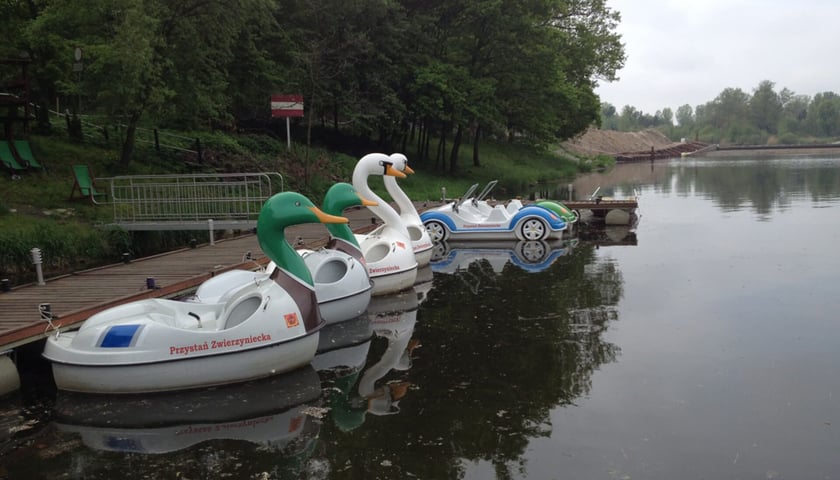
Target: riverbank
[
  {"x": 647, "y": 144},
  {"x": 830, "y": 149}
]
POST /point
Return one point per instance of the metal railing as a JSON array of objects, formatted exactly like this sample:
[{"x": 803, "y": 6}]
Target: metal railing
[{"x": 190, "y": 202}]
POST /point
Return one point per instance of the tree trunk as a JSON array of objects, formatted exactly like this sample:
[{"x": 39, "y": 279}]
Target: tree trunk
[
  {"x": 441, "y": 150},
  {"x": 476, "y": 161},
  {"x": 419, "y": 142},
  {"x": 130, "y": 137},
  {"x": 424, "y": 142},
  {"x": 308, "y": 144},
  {"x": 456, "y": 147}
]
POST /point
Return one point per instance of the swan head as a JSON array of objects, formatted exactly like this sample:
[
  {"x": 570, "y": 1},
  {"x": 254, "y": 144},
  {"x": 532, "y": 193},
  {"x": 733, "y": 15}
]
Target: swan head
[
  {"x": 376, "y": 164},
  {"x": 400, "y": 162},
  {"x": 343, "y": 195}
]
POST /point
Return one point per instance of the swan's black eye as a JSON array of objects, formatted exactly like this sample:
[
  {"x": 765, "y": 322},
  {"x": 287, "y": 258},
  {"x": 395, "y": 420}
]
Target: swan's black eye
[{"x": 297, "y": 203}]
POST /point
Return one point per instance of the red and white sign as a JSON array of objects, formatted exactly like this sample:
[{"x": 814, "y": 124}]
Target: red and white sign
[{"x": 287, "y": 105}]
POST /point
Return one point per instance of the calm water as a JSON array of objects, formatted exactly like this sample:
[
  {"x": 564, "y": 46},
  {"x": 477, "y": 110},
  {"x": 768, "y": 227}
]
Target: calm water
[{"x": 701, "y": 345}]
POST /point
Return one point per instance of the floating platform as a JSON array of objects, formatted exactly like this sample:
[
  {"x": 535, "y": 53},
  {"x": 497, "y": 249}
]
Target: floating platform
[{"x": 608, "y": 211}]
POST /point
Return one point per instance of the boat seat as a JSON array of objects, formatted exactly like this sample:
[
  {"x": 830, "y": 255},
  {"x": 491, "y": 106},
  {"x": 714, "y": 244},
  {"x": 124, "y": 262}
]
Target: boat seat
[
  {"x": 499, "y": 214},
  {"x": 514, "y": 206},
  {"x": 240, "y": 304}
]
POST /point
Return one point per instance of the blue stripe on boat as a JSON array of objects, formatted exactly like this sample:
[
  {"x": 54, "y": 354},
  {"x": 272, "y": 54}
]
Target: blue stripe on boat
[{"x": 119, "y": 336}]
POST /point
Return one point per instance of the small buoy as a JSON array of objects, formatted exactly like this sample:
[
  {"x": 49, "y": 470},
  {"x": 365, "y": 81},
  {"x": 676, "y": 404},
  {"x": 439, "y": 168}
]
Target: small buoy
[
  {"x": 9, "y": 378},
  {"x": 617, "y": 217}
]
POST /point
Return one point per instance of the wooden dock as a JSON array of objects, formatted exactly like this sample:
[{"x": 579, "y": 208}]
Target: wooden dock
[{"x": 75, "y": 297}]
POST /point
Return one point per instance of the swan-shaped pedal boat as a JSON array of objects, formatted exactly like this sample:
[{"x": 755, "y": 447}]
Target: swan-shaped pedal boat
[
  {"x": 388, "y": 252},
  {"x": 342, "y": 284},
  {"x": 253, "y": 331},
  {"x": 420, "y": 240}
]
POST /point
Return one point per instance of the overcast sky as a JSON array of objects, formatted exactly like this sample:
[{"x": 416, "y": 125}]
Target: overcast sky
[{"x": 687, "y": 51}]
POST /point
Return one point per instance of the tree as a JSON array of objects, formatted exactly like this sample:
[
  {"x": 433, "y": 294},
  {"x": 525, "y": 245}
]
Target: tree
[
  {"x": 826, "y": 113},
  {"x": 142, "y": 55},
  {"x": 629, "y": 119},
  {"x": 609, "y": 119},
  {"x": 794, "y": 113},
  {"x": 765, "y": 107},
  {"x": 667, "y": 117},
  {"x": 685, "y": 116}
]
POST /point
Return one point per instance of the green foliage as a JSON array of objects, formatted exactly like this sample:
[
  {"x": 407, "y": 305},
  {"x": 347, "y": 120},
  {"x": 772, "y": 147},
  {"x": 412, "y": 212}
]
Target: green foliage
[
  {"x": 595, "y": 163},
  {"x": 736, "y": 117},
  {"x": 65, "y": 246},
  {"x": 372, "y": 69}
]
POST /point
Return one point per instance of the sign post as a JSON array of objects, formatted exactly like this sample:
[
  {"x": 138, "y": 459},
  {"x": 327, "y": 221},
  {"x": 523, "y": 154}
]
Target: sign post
[{"x": 287, "y": 106}]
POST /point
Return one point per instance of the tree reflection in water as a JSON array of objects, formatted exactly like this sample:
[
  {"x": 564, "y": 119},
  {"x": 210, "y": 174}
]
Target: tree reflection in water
[{"x": 495, "y": 362}]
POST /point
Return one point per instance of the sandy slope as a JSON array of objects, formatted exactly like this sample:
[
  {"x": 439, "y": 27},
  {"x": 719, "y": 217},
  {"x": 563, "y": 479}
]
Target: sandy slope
[{"x": 610, "y": 142}]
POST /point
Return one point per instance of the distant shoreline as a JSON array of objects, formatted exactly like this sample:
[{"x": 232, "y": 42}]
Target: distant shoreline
[{"x": 771, "y": 150}]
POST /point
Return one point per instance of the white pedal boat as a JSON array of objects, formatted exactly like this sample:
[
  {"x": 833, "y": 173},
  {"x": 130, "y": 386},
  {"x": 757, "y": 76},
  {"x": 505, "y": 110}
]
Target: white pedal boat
[
  {"x": 342, "y": 284},
  {"x": 388, "y": 252},
  {"x": 420, "y": 240},
  {"x": 254, "y": 331},
  {"x": 471, "y": 218}
]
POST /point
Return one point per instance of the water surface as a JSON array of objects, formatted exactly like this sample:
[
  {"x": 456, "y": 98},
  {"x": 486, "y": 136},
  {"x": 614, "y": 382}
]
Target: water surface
[{"x": 702, "y": 344}]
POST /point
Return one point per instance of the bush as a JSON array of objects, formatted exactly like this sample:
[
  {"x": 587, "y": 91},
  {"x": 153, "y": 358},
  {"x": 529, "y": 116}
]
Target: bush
[{"x": 65, "y": 247}]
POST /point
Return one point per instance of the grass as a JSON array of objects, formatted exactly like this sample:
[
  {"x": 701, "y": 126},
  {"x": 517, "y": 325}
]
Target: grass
[{"x": 36, "y": 211}]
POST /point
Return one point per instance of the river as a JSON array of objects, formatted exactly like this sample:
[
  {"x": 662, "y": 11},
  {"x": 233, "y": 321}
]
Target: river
[{"x": 700, "y": 344}]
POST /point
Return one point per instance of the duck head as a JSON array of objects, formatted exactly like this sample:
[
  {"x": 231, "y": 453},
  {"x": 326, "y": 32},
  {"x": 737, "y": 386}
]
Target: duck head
[
  {"x": 343, "y": 195},
  {"x": 284, "y": 210},
  {"x": 338, "y": 197}
]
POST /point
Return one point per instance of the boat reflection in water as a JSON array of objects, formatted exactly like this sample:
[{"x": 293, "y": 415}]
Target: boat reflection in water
[
  {"x": 271, "y": 415},
  {"x": 532, "y": 256},
  {"x": 353, "y": 390}
]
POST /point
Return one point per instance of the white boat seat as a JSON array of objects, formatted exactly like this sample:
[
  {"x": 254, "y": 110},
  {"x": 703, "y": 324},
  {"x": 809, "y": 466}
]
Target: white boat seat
[
  {"x": 240, "y": 304},
  {"x": 514, "y": 206},
  {"x": 242, "y": 310},
  {"x": 499, "y": 214}
]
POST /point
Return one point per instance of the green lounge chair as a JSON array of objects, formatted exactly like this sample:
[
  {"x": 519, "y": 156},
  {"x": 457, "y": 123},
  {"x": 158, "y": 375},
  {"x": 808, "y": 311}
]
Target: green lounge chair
[
  {"x": 85, "y": 184},
  {"x": 25, "y": 153},
  {"x": 8, "y": 158}
]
